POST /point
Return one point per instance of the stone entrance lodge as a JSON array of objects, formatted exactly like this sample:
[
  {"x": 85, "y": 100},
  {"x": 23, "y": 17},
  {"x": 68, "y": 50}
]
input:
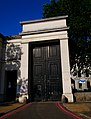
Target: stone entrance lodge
[{"x": 35, "y": 64}]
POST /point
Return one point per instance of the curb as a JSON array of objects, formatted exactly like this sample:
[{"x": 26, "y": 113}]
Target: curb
[
  {"x": 61, "y": 108},
  {"x": 85, "y": 116},
  {"x": 14, "y": 111}
]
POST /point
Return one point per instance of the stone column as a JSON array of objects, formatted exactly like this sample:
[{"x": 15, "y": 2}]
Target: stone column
[
  {"x": 24, "y": 69},
  {"x": 65, "y": 67}
]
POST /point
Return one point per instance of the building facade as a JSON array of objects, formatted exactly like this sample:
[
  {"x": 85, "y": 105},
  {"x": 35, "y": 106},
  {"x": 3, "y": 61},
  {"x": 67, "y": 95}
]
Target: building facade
[
  {"x": 2, "y": 51},
  {"x": 37, "y": 63}
]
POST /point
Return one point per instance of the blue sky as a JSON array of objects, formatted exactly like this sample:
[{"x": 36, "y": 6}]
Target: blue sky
[{"x": 14, "y": 11}]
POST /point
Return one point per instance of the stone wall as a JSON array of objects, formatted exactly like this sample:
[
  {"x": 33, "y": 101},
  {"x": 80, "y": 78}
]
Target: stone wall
[{"x": 82, "y": 96}]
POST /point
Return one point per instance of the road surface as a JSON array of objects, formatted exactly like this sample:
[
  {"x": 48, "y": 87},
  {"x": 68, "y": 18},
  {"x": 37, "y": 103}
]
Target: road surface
[{"x": 40, "y": 110}]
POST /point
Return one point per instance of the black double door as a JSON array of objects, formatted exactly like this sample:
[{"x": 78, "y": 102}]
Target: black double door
[{"x": 46, "y": 83}]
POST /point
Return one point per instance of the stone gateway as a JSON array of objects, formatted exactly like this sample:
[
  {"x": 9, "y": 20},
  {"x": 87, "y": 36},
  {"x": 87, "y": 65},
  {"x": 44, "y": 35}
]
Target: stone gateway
[{"x": 43, "y": 69}]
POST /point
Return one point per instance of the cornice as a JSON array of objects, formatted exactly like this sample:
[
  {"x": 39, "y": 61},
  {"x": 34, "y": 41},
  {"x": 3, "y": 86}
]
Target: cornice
[
  {"x": 44, "y": 31},
  {"x": 43, "y": 20}
]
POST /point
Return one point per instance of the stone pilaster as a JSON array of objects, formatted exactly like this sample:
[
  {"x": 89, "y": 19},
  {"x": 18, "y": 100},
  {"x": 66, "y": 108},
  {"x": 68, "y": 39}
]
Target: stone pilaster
[
  {"x": 24, "y": 69},
  {"x": 65, "y": 67}
]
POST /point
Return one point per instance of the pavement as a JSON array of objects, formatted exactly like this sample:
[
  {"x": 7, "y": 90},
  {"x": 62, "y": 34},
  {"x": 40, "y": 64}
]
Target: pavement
[
  {"x": 7, "y": 107},
  {"x": 80, "y": 109}
]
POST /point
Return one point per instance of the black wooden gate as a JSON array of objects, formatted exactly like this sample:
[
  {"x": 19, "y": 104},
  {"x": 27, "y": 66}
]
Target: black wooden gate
[{"x": 46, "y": 83}]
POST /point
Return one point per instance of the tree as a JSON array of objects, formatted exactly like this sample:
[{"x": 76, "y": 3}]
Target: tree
[
  {"x": 79, "y": 13},
  {"x": 79, "y": 20}
]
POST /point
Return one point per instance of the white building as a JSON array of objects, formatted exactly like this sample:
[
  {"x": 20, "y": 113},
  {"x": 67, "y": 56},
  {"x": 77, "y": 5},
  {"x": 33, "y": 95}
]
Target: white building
[{"x": 37, "y": 63}]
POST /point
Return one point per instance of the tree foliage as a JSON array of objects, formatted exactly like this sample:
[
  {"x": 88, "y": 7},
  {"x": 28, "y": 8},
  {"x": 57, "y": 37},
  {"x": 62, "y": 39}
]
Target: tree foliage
[
  {"x": 79, "y": 21},
  {"x": 79, "y": 13}
]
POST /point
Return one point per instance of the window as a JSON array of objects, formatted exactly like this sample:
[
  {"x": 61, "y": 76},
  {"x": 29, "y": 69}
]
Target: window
[
  {"x": 87, "y": 73},
  {"x": 80, "y": 85}
]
